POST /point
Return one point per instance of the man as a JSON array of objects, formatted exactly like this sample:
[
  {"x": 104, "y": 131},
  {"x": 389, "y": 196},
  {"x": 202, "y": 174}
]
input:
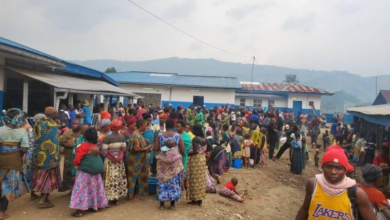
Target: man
[
  {"x": 47, "y": 175},
  {"x": 63, "y": 116},
  {"x": 155, "y": 119},
  {"x": 140, "y": 112},
  {"x": 72, "y": 115},
  {"x": 327, "y": 195},
  {"x": 87, "y": 113},
  {"x": 67, "y": 141},
  {"x": 287, "y": 145},
  {"x": 180, "y": 125},
  {"x": 199, "y": 117},
  {"x": 79, "y": 113},
  {"x": 272, "y": 137},
  {"x": 372, "y": 180}
]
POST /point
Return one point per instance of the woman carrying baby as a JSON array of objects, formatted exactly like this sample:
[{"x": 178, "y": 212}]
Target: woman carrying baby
[
  {"x": 88, "y": 190},
  {"x": 169, "y": 165}
]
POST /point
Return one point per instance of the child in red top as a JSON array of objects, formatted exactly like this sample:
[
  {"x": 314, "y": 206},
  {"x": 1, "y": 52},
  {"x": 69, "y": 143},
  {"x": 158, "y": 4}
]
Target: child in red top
[{"x": 229, "y": 190}]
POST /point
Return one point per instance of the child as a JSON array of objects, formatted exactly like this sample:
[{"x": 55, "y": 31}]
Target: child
[
  {"x": 317, "y": 155},
  {"x": 229, "y": 190},
  {"x": 248, "y": 143},
  {"x": 326, "y": 139},
  {"x": 88, "y": 190}
]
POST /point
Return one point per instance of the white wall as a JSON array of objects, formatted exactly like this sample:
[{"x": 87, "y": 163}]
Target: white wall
[
  {"x": 184, "y": 94},
  {"x": 279, "y": 101},
  {"x": 305, "y": 100}
]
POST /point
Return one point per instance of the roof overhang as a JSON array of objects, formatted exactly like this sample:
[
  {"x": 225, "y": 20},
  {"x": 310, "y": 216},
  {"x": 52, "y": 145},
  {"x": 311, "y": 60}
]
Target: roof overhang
[
  {"x": 26, "y": 54},
  {"x": 66, "y": 83},
  {"x": 280, "y": 92},
  {"x": 377, "y": 114}
]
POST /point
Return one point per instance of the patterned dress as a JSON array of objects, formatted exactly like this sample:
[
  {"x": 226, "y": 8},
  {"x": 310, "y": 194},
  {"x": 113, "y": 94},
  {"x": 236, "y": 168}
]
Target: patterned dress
[
  {"x": 137, "y": 167},
  {"x": 169, "y": 170},
  {"x": 28, "y": 165},
  {"x": 11, "y": 177},
  {"x": 196, "y": 174},
  {"x": 115, "y": 182},
  {"x": 47, "y": 175},
  {"x": 88, "y": 191}
]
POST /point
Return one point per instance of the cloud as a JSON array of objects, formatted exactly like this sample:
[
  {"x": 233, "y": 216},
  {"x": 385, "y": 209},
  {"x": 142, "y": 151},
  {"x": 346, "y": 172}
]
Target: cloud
[
  {"x": 239, "y": 13},
  {"x": 303, "y": 23},
  {"x": 182, "y": 9}
]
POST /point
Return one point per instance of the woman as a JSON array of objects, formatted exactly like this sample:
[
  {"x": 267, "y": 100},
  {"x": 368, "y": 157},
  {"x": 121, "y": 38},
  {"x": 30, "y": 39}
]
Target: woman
[
  {"x": 296, "y": 155},
  {"x": 28, "y": 165},
  {"x": 130, "y": 126},
  {"x": 196, "y": 174},
  {"x": 148, "y": 134},
  {"x": 114, "y": 169},
  {"x": 217, "y": 161},
  {"x": 137, "y": 162},
  {"x": 14, "y": 142},
  {"x": 169, "y": 165},
  {"x": 88, "y": 190}
]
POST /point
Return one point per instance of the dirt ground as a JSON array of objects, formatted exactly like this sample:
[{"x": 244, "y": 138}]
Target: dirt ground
[{"x": 273, "y": 193}]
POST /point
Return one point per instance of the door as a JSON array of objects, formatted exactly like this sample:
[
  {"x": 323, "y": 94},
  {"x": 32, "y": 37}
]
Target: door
[
  {"x": 297, "y": 107},
  {"x": 198, "y": 100}
]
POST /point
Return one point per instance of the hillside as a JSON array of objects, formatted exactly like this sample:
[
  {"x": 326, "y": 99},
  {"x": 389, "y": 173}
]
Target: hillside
[{"x": 362, "y": 88}]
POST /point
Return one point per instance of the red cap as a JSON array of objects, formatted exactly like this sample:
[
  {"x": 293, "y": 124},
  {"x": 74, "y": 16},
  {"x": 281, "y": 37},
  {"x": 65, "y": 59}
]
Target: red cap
[
  {"x": 350, "y": 168},
  {"x": 335, "y": 155},
  {"x": 334, "y": 147}
]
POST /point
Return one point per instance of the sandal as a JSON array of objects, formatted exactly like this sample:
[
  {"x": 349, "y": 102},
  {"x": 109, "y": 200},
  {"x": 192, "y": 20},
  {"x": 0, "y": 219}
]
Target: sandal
[
  {"x": 77, "y": 214},
  {"x": 46, "y": 205},
  {"x": 5, "y": 216},
  {"x": 192, "y": 203}
]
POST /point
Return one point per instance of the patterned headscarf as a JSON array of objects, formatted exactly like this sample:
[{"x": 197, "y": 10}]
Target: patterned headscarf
[
  {"x": 16, "y": 120},
  {"x": 104, "y": 123}
]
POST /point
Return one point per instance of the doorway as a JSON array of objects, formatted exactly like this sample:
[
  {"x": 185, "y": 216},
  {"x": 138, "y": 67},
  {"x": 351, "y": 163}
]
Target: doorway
[
  {"x": 198, "y": 101},
  {"x": 297, "y": 107}
]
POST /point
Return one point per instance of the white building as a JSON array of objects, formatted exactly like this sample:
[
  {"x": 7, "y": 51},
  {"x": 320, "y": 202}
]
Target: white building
[
  {"x": 298, "y": 97},
  {"x": 175, "y": 89}
]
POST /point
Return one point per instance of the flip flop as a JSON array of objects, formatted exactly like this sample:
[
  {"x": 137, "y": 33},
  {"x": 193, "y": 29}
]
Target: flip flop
[
  {"x": 45, "y": 206},
  {"x": 4, "y": 217},
  {"x": 77, "y": 214}
]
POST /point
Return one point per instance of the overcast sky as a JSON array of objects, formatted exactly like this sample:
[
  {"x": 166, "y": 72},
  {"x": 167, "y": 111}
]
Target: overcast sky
[{"x": 352, "y": 35}]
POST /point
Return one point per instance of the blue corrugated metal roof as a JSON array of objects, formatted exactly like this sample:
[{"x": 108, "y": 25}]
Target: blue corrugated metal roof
[
  {"x": 174, "y": 79},
  {"x": 27, "y": 49},
  {"x": 69, "y": 66}
]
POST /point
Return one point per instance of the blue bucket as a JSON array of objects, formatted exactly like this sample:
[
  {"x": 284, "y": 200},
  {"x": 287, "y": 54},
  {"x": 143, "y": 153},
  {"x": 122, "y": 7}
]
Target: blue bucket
[
  {"x": 237, "y": 163},
  {"x": 153, "y": 182}
]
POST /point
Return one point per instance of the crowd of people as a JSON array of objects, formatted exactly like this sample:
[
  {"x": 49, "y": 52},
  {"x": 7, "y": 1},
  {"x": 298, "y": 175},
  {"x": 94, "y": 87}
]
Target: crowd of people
[{"x": 187, "y": 149}]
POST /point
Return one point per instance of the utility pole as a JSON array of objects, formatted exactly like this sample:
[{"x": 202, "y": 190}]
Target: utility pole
[
  {"x": 253, "y": 65},
  {"x": 376, "y": 86}
]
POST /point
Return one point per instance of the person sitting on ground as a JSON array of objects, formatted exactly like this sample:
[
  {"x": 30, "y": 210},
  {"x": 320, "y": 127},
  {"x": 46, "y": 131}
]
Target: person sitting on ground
[
  {"x": 229, "y": 190},
  {"x": 372, "y": 176},
  {"x": 333, "y": 192}
]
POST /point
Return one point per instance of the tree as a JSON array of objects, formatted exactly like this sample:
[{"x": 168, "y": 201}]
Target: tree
[
  {"x": 291, "y": 78},
  {"x": 110, "y": 70}
]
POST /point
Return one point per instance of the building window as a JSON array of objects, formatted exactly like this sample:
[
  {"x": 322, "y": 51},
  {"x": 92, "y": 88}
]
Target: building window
[
  {"x": 256, "y": 103},
  {"x": 198, "y": 101},
  {"x": 242, "y": 102},
  {"x": 311, "y": 103},
  {"x": 271, "y": 103}
]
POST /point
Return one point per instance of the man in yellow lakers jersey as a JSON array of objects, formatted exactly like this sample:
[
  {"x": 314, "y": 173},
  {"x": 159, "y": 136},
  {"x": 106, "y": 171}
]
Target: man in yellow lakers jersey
[{"x": 327, "y": 193}]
